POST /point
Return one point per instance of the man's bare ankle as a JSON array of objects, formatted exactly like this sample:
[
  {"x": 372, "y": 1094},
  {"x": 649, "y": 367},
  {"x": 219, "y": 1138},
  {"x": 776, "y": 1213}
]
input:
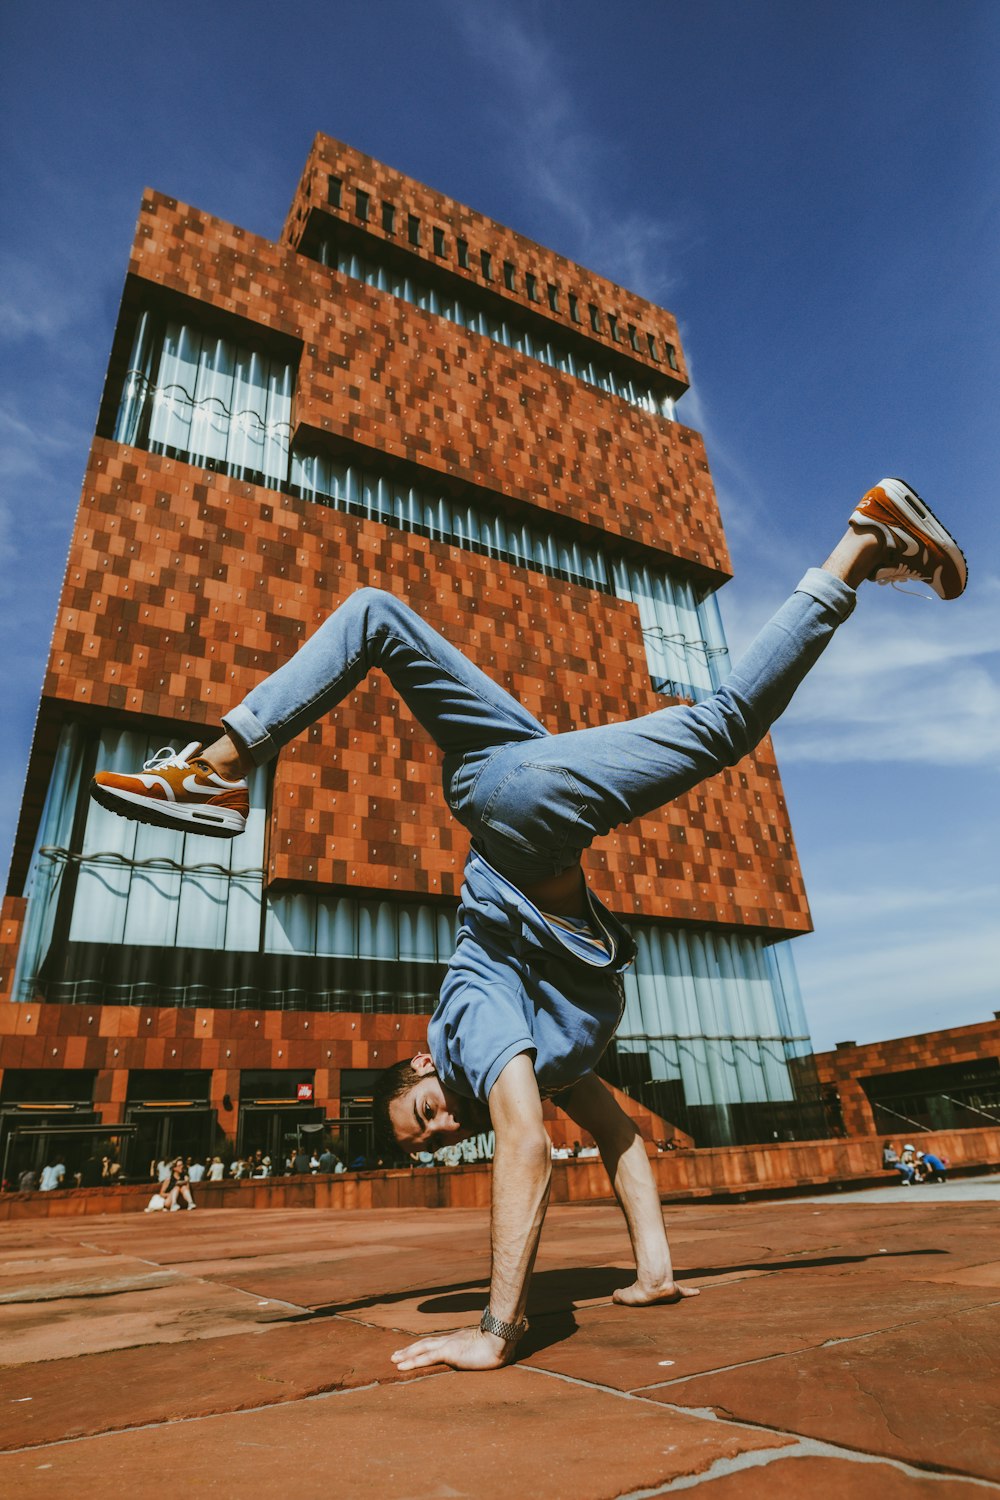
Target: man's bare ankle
[{"x": 227, "y": 759}]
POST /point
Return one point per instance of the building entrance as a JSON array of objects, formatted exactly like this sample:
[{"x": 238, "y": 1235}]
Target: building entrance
[
  {"x": 163, "y": 1132},
  {"x": 170, "y": 1114},
  {"x": 277, "y": 1130}
]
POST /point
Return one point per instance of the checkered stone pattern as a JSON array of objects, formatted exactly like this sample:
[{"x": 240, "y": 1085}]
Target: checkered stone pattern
[
  {"x": 410, "y": 385},
  {"x": 12, "y": 914},
  {"x": 384, "y": 185},
  {"x": 111, "y": 1040},
  {"x": 185, "y": 588}
]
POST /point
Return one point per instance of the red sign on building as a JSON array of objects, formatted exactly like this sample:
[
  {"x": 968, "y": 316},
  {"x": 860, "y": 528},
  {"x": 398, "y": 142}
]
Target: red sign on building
[{"x": 304, "y": 1091}]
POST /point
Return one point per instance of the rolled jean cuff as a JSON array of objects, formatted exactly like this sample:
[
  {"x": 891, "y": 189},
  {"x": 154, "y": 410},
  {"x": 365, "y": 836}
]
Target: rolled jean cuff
[
  {"x": 252, "y": 735},
  {"x": 833, "y": 592}
]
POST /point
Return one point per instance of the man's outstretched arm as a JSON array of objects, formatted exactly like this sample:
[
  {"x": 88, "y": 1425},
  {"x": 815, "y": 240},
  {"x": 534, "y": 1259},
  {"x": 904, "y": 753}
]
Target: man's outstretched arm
[
  {"x": 594, "y": 1108},
  {"x": 522, "y": 1171}
]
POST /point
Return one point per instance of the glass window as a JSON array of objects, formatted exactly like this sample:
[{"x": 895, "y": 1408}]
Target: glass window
[
  {"x": 574, "y": 308},
  {"x": 508, "y": 275},
  {"x": 334, "y": 189},
  {"x": 486, "y": 260},
  {"x": 672, "y": 357},
  {"x": 361, "y": 201},
  {"x": 438, "y": 240},
  {"x": 413, "y": 229},
  {"x": 389, "y": 218},
  {"x": 462, "y": 246},
  {"x": 651, "y": 341},
  {"x": 553, "y": 297},
  {"x": 208, "y": 401},
  {"x": 613, "y": 327},
  {"x": 633, "y": 337},
  {"x": 531, "y": 285}
]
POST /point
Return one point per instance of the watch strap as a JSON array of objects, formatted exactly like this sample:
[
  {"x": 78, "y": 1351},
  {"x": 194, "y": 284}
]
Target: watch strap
[{"x": 509, "y": 1332}]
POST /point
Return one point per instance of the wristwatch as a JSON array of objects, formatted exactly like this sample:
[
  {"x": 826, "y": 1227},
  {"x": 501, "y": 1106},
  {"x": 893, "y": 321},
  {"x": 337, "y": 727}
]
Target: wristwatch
[{"x": 509, "y": 1332}]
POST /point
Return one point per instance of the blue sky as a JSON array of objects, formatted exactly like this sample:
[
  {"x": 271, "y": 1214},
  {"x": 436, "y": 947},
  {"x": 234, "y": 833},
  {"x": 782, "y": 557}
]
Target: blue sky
[{"x": 810, "y": 188}]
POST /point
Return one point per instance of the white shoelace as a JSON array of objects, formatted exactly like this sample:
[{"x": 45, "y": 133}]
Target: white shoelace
[
  {"x": 168, "y": 756},
  {"x": 893, "y": 576}
]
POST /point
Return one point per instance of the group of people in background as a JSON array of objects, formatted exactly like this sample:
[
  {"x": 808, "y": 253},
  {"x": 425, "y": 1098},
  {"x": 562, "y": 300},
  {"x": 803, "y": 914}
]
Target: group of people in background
[
  {"x": 174, "y": 1178},
  {"x": 913, "y": 1165},
  {"x": 100, "y": 1169}
]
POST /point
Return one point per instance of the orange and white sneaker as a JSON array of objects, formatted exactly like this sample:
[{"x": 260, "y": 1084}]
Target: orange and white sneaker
[
  {"x": 918, "y": 545},
  {"x": 176, "y": 791}
]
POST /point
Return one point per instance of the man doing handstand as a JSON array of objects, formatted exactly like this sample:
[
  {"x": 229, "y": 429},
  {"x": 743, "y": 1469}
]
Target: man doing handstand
[{"x": 533, "y": 993}]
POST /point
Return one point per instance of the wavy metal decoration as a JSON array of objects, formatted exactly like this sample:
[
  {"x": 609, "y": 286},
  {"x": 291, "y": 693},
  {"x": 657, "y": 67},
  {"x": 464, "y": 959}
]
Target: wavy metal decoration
[{"x": 136, "y": 378}]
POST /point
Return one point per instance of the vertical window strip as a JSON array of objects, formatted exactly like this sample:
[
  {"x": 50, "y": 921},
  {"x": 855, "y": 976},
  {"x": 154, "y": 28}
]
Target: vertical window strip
[
  {"x": 207, "y": 400},
  {"x": 685, "y": 645},
  {"x": 711, "y": 1011},
  {"x": 355, "y": 927}
]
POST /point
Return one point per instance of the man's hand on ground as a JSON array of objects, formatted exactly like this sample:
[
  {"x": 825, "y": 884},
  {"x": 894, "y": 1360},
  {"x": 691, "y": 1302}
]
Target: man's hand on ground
[
  {"x": 468, "y": 1349},
  {"x": 642, "y": 1294}
]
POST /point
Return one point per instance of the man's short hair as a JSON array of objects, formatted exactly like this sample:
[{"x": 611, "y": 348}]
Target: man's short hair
[{"x": 390, "y": 1084}]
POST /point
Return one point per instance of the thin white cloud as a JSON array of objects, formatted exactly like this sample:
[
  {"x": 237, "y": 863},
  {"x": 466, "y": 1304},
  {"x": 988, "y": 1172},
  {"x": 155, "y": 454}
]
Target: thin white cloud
[
  {"x": 33, "y": 304},
  {"x": 898, "y": 984},
  {"x": 874, "y": 905},
  {"x": 904, "y": 680},
  {"x": 565, "y": 161}
]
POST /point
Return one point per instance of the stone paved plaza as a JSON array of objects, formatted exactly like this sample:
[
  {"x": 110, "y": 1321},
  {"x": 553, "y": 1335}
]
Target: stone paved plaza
[{"x": 842, "y": 1346}]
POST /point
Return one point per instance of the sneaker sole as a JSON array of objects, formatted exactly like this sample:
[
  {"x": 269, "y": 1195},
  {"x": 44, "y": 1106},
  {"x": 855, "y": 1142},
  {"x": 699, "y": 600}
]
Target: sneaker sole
[
  {"x": 212, "y": 822},
  {"x": 916, "y": 510}
]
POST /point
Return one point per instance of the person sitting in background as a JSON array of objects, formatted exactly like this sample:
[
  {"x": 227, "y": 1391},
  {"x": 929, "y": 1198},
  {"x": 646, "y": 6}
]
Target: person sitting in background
[
  {"x": 217, "y": 1170},
  {"x": 932, "y": 1168},
  {"x": 179, "y": 1186},
  {"x": 91, "y": 1172},
  {"x": 890, "y": 1160},
  {"x": 28, "y": 1181},
  {"x": 196, "y": 1169},
  {"x": 52, "y": 1175}
]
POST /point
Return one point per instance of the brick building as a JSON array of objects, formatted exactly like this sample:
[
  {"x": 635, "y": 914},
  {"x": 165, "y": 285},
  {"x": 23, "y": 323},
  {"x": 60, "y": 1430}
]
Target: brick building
[
  {"x": 397, "y": 392},
  {"x": 937, "y": 1080}
]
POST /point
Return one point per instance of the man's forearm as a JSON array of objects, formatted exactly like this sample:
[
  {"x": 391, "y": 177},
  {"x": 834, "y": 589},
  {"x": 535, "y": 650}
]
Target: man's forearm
[{"x": 522, "y": 1172}]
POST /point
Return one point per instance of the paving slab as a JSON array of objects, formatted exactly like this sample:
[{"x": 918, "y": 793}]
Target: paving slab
[
  {"x": 800, "y": 1474},
  {"x": 58, "y": 1399},
  {"x": 54, "y": 1329},
  {"x": 732, "y": 1324},
  {"x": 446, "y": 1437},
  {"x": 926, "y": 1393}
]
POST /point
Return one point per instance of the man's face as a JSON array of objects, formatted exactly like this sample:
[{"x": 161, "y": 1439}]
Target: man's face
[{"x": 430, "y": 1115}]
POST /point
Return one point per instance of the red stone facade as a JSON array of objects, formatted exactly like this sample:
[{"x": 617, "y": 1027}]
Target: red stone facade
[{"x": 185, "y": 586}]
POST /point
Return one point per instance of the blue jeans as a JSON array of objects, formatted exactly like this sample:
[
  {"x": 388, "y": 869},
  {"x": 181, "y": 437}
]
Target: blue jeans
[{"x": 532, "y": 800}]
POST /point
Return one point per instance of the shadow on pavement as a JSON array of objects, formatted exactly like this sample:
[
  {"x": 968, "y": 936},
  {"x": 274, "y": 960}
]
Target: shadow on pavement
[{"x": 552, "y": 1290}]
